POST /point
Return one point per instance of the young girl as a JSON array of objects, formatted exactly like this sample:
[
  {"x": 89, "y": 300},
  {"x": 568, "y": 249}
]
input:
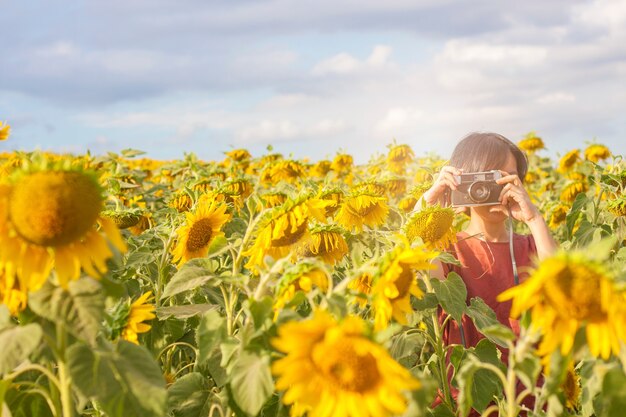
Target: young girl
[{"x": 483, "y": 248}]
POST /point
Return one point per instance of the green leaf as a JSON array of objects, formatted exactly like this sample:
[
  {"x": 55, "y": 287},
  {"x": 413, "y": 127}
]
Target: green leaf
[
  {"x": 486, "y": 383},
  {"x": 613, "y": 396},
  {"x": 251, "y": 382},
  {"x": 485, "y": 320},
  {"x": 210, "y": 333},
  {"x": 188, "y": 278},
  {"x": 190, "y": 396},
  {"x": 124, "y": 379},
  {"x": 476, "y": 386},
  {"x": 80, "y": 309},
  {"x": 448, "y": 258},
  {"x": 261, "y": 311},
  {"x": 427, "y": 302},
  {"x": 575, "y": 212},
  {"x": 451, "y": 293},
  {"x": 183, "y": 311},
  {"x": 17, "y": 343},
  {"x": 129, "y": 153}
]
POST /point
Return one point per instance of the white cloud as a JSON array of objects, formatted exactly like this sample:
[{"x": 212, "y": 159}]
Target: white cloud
[
  {"x": 344, "y": 63},
  {"x": 556, "y": 98},
  {"x": 398, "y": 118},
  {"x": 268, "y": 130},
  {"x": 483, "y": 53}
]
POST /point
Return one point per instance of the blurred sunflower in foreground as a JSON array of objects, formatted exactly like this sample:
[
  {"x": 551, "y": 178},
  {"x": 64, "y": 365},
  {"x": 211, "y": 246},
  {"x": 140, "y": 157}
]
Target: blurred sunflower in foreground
[
  {"x": 569, "y": 292},
  {"x": 396, "y": 281},
  {"x": 50, "y": 219},
  {"x": 12, "y": 294},
  {"x": 201, "y": 227},
  {"x": 334, "y": 369}
]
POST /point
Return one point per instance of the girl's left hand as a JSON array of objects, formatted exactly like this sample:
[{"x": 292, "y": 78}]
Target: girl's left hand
[{"x": 515, "y": 196}]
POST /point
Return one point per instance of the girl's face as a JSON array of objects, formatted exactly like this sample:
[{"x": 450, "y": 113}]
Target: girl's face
[{"x": 497, "y": 213}]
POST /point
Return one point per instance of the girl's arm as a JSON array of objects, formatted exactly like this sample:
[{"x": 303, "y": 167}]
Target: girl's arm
[{"x": 522, "y": 209}]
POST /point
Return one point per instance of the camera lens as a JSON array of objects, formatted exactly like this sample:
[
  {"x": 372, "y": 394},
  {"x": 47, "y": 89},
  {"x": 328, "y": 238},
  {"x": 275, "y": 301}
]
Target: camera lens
[{"x": 479, "y": 192}]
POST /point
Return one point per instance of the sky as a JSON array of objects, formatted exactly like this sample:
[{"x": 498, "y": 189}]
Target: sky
[{"x": 309, "y": 78}]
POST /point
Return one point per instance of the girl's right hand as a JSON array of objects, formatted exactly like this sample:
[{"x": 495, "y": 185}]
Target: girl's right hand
[{"x": 445, "y": 181}]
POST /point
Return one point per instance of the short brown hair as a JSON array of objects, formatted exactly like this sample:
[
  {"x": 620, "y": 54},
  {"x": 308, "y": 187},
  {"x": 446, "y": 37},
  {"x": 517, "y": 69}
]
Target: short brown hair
[{"x": 480, "y": 151}]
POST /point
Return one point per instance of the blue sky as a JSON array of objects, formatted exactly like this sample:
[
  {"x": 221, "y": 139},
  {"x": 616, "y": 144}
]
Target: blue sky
[{"x": 309, "y": 77}]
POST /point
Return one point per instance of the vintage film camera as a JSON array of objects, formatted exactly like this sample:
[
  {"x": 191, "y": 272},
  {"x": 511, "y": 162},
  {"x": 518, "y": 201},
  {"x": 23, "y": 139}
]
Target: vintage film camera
[{"x": 477, "y": 189}]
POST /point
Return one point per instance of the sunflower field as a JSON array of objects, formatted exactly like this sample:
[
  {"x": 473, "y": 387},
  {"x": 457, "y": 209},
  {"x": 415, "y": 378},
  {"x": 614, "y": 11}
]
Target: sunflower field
[{"x": 271, "y": 286}]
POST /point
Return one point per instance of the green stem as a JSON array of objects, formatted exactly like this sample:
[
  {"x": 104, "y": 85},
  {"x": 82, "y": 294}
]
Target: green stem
[
  {"x": 65, "y": 380},
  {"x": 439, "y": 349},
  {"x": 161, "y": 268},
  {"x": 228, "y": 308},
  {"x": 35, "y": 367}
]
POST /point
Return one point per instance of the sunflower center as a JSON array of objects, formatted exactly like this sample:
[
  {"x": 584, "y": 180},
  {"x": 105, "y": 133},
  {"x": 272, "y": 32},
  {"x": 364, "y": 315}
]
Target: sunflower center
[
  {"x": 289, "y": 236},
  {"x": 403, "y": 282},
  {"x": 346, "y": 367},
  {"x": 200, "y": 234},
  {"x": 576, "y": 292},
  {"x": 55, "y": 208}
]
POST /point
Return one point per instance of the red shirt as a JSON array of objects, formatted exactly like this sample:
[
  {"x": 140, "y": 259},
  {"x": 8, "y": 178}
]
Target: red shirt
[{"x": 486, "y": 270}]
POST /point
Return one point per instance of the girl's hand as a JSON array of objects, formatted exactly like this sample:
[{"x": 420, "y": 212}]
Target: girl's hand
[
  {"x": 515, "y": 196},
  {"x": 445, "y": 180}
]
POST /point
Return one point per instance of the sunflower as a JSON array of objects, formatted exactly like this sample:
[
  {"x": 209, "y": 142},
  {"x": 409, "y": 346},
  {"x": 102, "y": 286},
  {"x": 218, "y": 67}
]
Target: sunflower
[
  {"x": 12, "y": 294},
  {"x": 434, "y": 225},
  {"x": 617, "y": 206},
  {"x": 568, "y": 292},
  {"x": 395, "y": 186},
  {"x": 334, "y": 369},
  {"x": 531, "y": 143},
  {"x": 423, "y": 176},
  {"x": 571, "y": 388},
  {"x": 558, "y": 216},
  {"x": 145, "y": 222},
  {"x": 361, "y": 209},
  {"x": 122, "y": 219},
  {"x": 370, "y": 187},
  {"x": 320, "y": 169},
  {"x": 239, "y": 155},
  {"x": 326, "y": 242},
  {"x": 407, "y": 204},
  {"x": 284, "y": 228},
  {"x": 362, "y": 284},
  {"x": 202, "y": 186},
  {"x": 399, "y": 157},
  {"x": 140, "y": 311},
  {"x": 274, "y": 199},
  {"x": 333, "y": 197},
  {"x": 201, "y": 227},
  {"x": 181, "y": 201},
  {"x": 596, "y": 153},
  {"x": 396, "y": 281},
  {"x": 50, "y": 219},
  {"x": 342, "y": 163},
  {"x": 287, "y": 170},
  {"x": 303, "y": 277},
  {"x": 568, "y": 160},
  {"x": 570, "y": 192},
  {"x": 5, "y": 129},
  {"x": 235, "y": 191}
]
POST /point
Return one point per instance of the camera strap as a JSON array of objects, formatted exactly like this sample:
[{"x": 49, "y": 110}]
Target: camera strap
[{"x": 511, "y": 250}]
